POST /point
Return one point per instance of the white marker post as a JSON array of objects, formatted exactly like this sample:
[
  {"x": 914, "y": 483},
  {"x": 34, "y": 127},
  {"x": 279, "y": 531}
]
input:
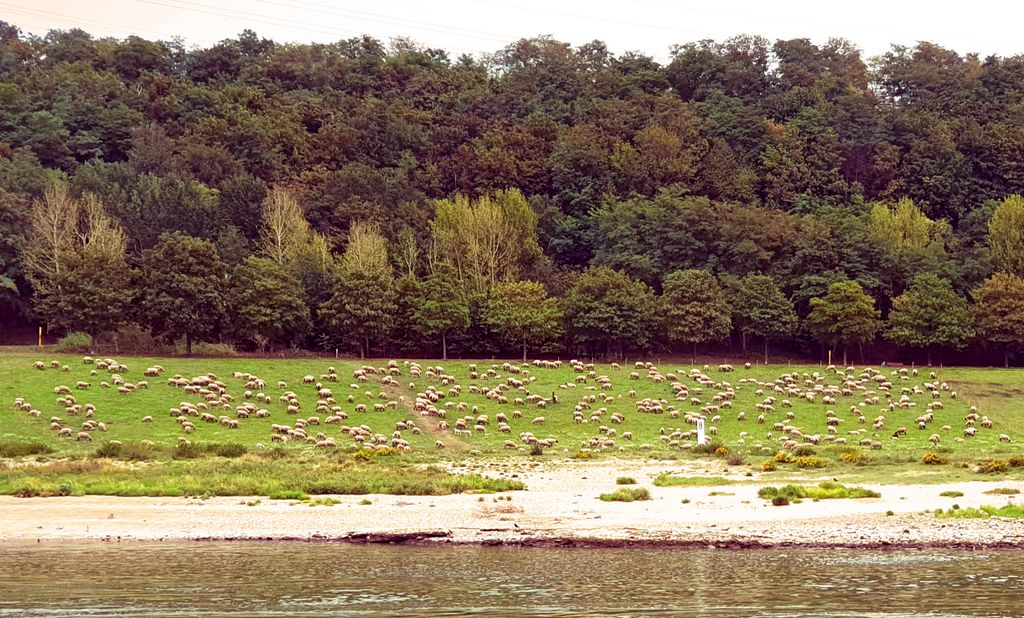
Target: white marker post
[{"x": 700, "y": 432}]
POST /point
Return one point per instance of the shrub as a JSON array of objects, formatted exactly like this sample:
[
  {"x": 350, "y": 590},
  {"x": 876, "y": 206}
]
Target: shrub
[
  {"x": 229, "y": 449},
  {"x": 583, "y": 455},
  {"x": 768, "y": 465},
  {"x": 38, "y": 488},
  {"x": 951, "y": 494},
  {"x": 110, "y": 450},
  {"x": 74, "y": 342},
  {"x": 1011, "y": 511},
  {"x": 536, "y": 449},
  {"x": 21, "y": 449},
  {"x": 735, "y": 459},
  {"x": 1017, "y": 461},
  {"x": 288, "y": 494},
  {"x": 708, "y": 448},
  {"x": 626, "y": 494},
  {"x": 1003, "y": 491},
  {"x": 933, "y": 459},
  {"x": 783, "y": 457},
  {"x": 804, "y": 450},
  {"x": 857, "y": 458},
  {"x": 811, "y": 461},
  {"x": 369, "y": 454},
  {"x": 625, "y": 480},
  {"x": 994, "y": 466},
  {"x": 827, "y": 490},
  {"x": 721, "y": 451},
  {"x": 203, "y": 348},
  {"x": 780, "y": 501},
  {"x": 132, "y": 338},
  {"x": 667, "y": 480}
]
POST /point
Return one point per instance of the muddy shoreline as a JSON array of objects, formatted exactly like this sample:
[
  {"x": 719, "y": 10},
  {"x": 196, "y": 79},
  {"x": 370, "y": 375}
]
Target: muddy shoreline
[{"x": 559, "y": 509}]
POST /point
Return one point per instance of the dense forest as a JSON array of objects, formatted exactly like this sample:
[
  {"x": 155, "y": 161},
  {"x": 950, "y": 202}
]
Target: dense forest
[{"x": 544, "y": 199}]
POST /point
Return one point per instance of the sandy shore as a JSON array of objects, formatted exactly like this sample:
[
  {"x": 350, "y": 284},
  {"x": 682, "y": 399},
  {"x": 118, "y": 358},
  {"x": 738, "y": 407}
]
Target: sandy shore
[{"x": 559, "y": 508}]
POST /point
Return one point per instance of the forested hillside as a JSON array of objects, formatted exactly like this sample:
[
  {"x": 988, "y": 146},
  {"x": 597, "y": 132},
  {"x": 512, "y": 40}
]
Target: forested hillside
[{"x": 388, "y": 198}]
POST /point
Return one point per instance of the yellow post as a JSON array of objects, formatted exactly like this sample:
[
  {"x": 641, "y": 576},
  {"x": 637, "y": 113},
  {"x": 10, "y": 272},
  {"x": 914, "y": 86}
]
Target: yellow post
[{"x": 40, "y": 336}]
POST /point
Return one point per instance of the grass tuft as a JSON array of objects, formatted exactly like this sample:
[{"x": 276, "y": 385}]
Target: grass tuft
[{"x": 626, "y": 494}]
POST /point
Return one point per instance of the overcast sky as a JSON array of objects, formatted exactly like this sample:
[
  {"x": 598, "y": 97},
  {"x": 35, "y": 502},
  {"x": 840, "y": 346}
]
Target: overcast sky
[{"x": 473, "y": 26}]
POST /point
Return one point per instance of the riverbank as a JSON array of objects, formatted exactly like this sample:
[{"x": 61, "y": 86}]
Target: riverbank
[{"x": 560, "y": 508}]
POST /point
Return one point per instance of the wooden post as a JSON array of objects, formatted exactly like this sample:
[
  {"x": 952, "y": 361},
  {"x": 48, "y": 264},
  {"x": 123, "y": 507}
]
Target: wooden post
[{"x": 40, "y": 336}]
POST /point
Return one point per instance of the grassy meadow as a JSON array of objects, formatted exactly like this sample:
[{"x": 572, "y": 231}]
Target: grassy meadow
[{"x": 384, "y": 400}]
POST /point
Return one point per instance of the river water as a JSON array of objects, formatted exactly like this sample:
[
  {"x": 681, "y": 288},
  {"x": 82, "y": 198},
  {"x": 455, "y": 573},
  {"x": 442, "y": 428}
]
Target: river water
[{"x": 313, "y": 579}]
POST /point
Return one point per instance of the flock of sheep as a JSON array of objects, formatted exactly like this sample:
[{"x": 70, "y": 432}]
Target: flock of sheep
[{"x": 840, "y": 406}]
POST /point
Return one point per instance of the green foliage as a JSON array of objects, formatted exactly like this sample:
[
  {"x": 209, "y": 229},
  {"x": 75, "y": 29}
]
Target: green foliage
[
  {"x": 951, "y": 494},
  {"x": 929, "y": 314},
  {"x": 846, "y": 315},
  {"x": 361, "y": 308},
  {"x": 933, "y": 459},
  {"x": 695, "y": 307},
  {"x": 267, "y": 304},
  {"x": 667, "y": 480},
  {"x": 1009, "y": 511},
  {"x": 999, "y": 310},
  {"x": 760, "y": 308},
  {"x": 183, "y": 288},
  {"x": 626, "y": 494},
  {"x": 827, "y": 490},
  {"x": 606, "y": 310},
  {"x": 74, "y": 342},
  {"x": 10, "y": 448},
  {"x": 1006, "y": 236},
  {"x": 441, "y": 310},
  {"x": 625, "y": 480},
  {"x": 993, "y": 466},
  {"x": 522, "y": 313}
]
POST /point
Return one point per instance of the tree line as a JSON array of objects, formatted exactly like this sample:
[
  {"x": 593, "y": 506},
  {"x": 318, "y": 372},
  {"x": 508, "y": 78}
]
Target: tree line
[{"x": 545, "y": 198}]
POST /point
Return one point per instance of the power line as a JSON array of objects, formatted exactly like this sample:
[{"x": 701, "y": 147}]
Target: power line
[
  {"x": 388, "y": 19},
  {"x": 74, "y": 21},
  {"x": 198, "y": 7}
]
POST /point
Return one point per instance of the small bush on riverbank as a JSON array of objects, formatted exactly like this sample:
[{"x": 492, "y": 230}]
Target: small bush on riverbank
[
  {"x": 857, "y": 458},
  {"x": 951, "y": 494},
  {"x": 1011, "y": 511},
  {"x": 933, "y": 459},
  {"x": 1003, "y": 491},
  {"x": 625, "y": 480},
  {"x": 23, "y": 449},
  {"x": 667, "y": 480},
  {"x": 626, "y": 494},
  {"x": 828, "y": 490},
  {"x": 994, "y": 466},
  {"x": 810, "y": 461}
]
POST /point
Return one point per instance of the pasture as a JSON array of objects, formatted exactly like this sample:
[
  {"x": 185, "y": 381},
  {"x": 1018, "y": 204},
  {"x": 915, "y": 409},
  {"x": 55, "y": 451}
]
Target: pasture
[{"x": 429, "y": 410}]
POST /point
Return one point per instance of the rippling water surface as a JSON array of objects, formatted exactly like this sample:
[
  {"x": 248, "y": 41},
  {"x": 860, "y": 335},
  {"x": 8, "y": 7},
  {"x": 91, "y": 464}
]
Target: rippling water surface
[{"x": 308, "y": 579}]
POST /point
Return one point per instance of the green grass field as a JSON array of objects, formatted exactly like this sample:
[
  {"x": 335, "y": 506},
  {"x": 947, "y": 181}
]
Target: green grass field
[{"x": 997, "y": 394}]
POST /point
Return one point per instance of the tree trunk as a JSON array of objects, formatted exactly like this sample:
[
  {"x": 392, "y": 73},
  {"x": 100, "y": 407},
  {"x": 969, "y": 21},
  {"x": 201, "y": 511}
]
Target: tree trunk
[
  {"x": 929, "y": 357},
  {"x": 524, "y": 348},
  {"x": 766, "y": 350},
  {"x": 844, "y": 356},
  {"x": 1006, "y": 359},
  {"x": 444, "y": 347},
  {"x": 743, "y": 340},
  {"x": 694, "y": 361},
  {"x": 188, "y": 344},
  {"x": 860, "y": 351},
  {"x": 366, "y": 348}
]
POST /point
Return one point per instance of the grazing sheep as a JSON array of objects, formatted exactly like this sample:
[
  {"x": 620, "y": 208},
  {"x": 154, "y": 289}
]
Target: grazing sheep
[{"x": 1004, "y": 438}]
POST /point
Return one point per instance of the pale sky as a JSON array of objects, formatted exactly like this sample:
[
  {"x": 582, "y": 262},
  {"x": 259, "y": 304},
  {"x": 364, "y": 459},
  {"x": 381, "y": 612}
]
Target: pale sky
[{"x": 482, "y": 26}]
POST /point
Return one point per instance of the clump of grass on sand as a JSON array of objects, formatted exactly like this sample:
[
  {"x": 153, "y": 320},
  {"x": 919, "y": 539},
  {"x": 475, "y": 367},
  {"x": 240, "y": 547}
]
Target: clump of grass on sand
[
  {"x": 828, "y": 490},
  {"x": 667, "y": 480},
  {"x": 1011, "y": 511},
  {"x": 626, "y": 494},
  {"x": 625, "y": 480}
]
